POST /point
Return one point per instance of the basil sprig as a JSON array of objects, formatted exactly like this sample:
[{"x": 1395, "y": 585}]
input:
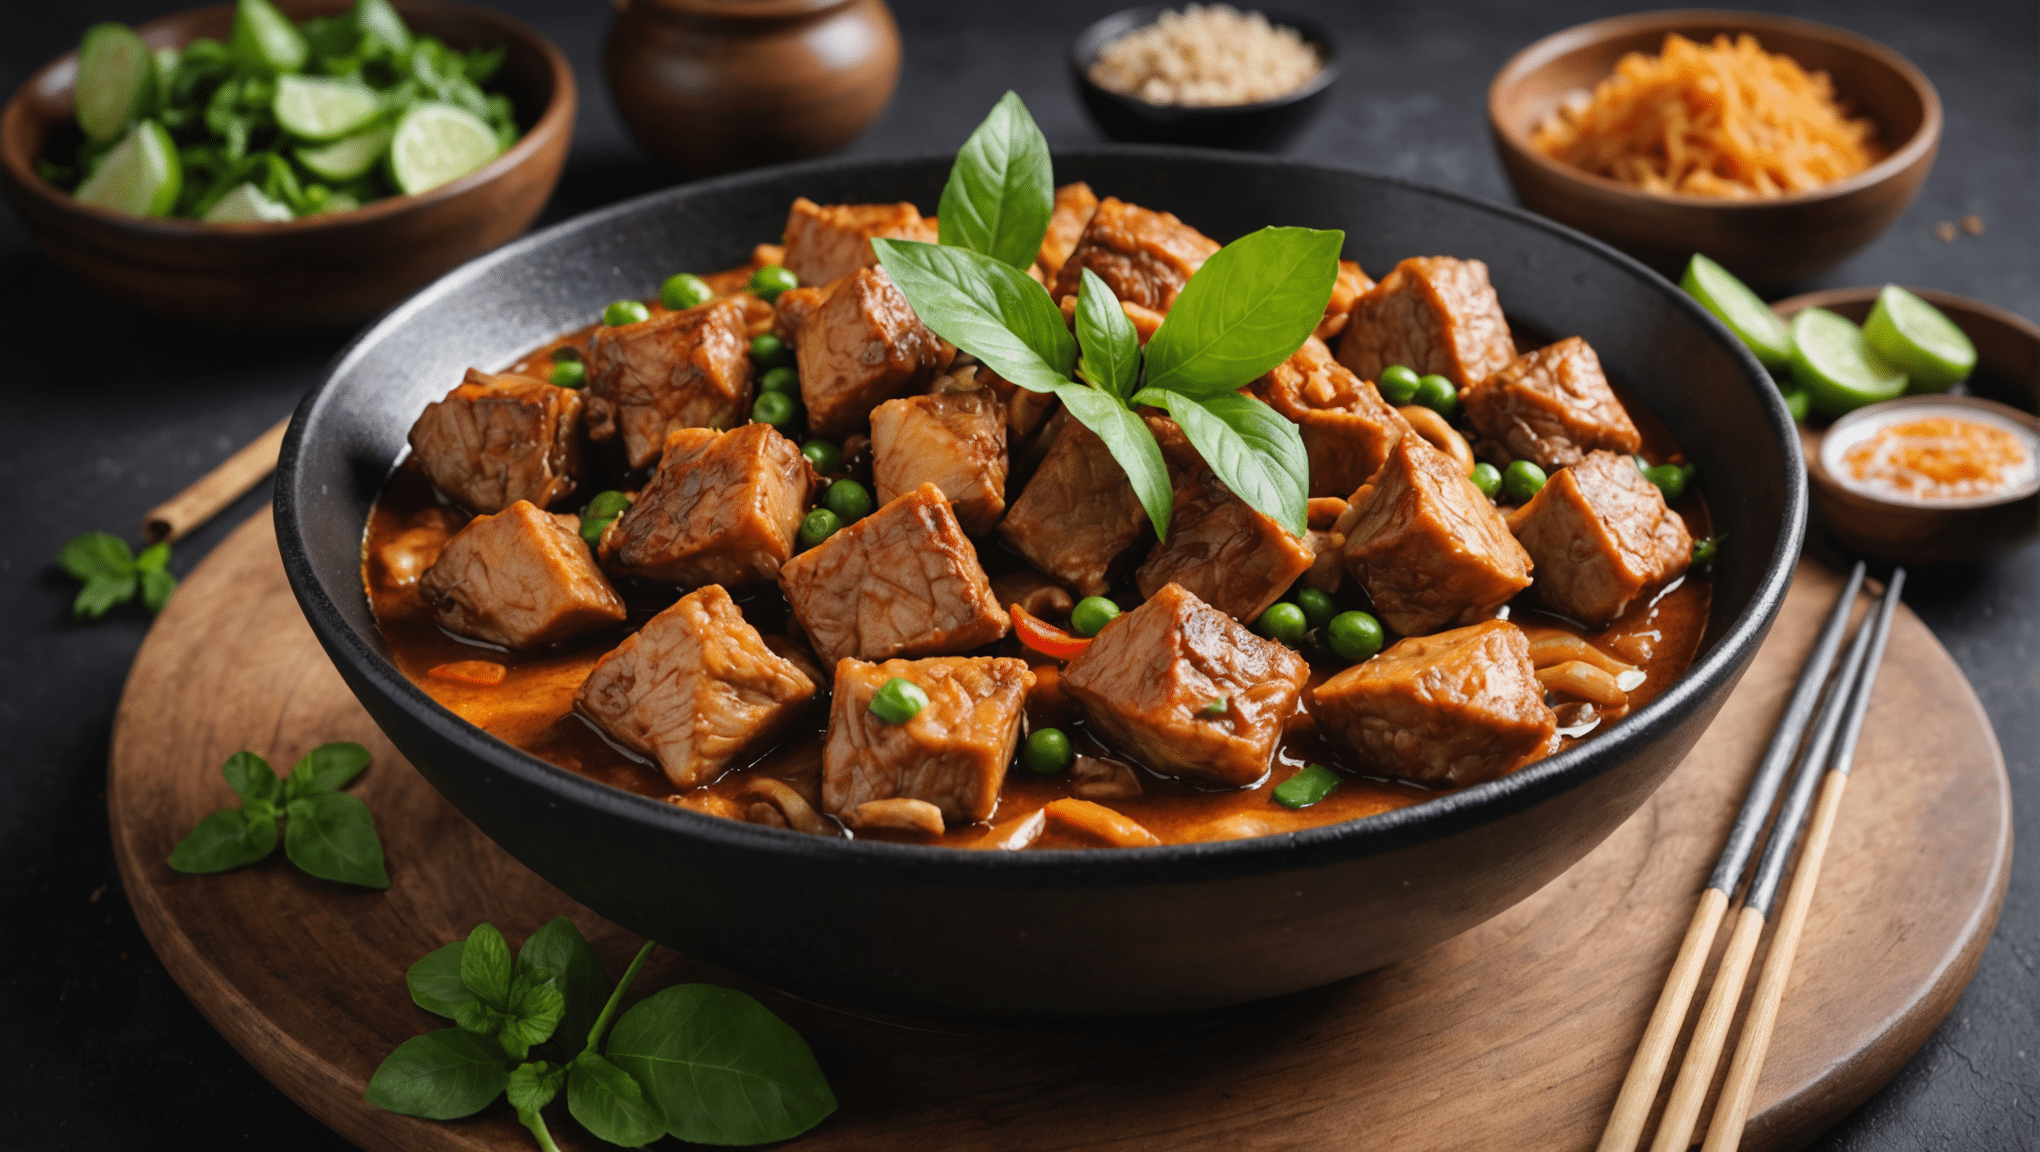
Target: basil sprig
[
  {"x": 1001, "y": 190},
  {"x": 112, "y": 573},
  {"x": 327, "y": 832}
]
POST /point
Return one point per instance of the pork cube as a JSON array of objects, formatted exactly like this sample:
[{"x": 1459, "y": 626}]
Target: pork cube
[
  {"x": 1350, "y": 286},
  {"x": 1601, "y": 536},
  {"x": 1427, "y": 546},
  {"x": 689, "y": 369},
  {"x": 825, "y": 243},
  {"x": 1433, "y": 314},
  {"x": 1187, "y": 690},
  {"x": 495, "y": 440},
  {"x": 953, "y": 440},
  {"x": 1144, "y": 257},
  {"x": 1026, "y": 411},
  {"x": 952, "y": 754},
  {"x": 791, "y": 311},
  {"x": 1550, "y": 407},
  {"x": 1456, "y": 708},
  {"x": 1224, "y": 552},
  {"x": 1347, "y": 427},
  {"x": 862, "y": 345},
  {"x": 1074, "y": 204},
  {"x": 723, "y": 508},
  {"x": 903, "y": 581},
  {"x": 694, "y": 689},
  {"x": 519, "y": 579},
  {"x": 1078, "y": 514}
]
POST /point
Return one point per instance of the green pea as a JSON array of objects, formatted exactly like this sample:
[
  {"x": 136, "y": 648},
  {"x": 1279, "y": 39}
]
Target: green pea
[
  {"x": 1669, "y": 478},
  {"x": 774, "y": 408},
  {"x": 818, "y": 526},
  {"x": 898, "y": 701},
  {"x": 1488, "y": 479},
  {"x": 1318, "y": 607},
  {"x": 1355, "y": 636},
  {"x": 1689, "y": 471},
  {"x": 1522, "y": 480},
  {"x": 1798, "y": 402},
  {"x": 1047, "y": 751},
  {"x": 781, "y": 380},
  {"x": 1398, "y": 384},
  {"x": 769, "y": 350},
  {"x": 1307, "y": 787},
  {"x": 1092, "y": 614},
  {"x": 1705, "y": 549},
  {"x": 1282, "y": 622},
  {"x": 826, "y": 457},
  {"x": 566, "y": 352},
  {"x": 607, "y": 504},
  {"x": 570, "y": 373},
  {"x": 768, "y": 282},
  {"x": 626, "y": 312},
  {"x": 848, "y": 499},
  {"x": 593, "y": 528},
  {"x": 1438, "y": 394},
  {"x": 1214, "y": 707},
  {"x": 685, "y": 290}
]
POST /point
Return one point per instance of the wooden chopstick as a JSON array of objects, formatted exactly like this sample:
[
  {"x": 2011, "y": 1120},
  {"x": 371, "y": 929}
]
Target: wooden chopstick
[
  {"x": 1703, "y": 1052},
  {"x": 183, "y": 513},
  {"x": 1732, "y": 1111},
  {"x": 1654, "y": 1051}
]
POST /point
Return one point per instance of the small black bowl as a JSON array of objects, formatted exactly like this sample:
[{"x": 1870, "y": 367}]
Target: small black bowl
[{"x": 1267, "y": 126}]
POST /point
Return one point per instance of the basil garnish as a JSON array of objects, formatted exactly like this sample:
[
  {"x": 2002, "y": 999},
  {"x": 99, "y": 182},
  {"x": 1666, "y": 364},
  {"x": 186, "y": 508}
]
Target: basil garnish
[
  {"x": 328, "y": 833},
  {"x": 1001, "y": 189},
  {"x": 113, "y": 574}
]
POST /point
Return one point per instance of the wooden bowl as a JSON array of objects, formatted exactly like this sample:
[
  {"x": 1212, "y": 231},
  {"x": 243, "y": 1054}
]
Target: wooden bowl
[
  {"x": 1769, "y": 243},
  {"x": 2006, "y": 383},
  {"x": 317, "y": 271}
]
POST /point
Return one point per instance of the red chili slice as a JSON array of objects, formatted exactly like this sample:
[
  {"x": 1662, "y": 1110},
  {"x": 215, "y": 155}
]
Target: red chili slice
[{"x": 1044, "y": 637}]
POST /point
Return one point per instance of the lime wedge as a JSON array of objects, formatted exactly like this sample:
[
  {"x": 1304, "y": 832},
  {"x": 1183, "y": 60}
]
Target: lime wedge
[
  {"x": 1742, "y": 310},
  {"x": 116, "y": 80},
  {"x": 1915, "y": 336},
  {"x": 319, "y": 108},
  {"x": 347, "y": 159},
  {"x": 1836, "y": 366},
  {"x": 436, "y": 143},
  {"x": 378, "y": 21},
  {"x": 247, "y": 205},
  {"x": 141, "y": 176},
  {"x": 266, "y": 38}
]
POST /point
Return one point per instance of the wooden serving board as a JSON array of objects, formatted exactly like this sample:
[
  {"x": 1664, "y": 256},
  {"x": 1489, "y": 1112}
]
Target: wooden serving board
[{"x": 1514, "y": 1035}]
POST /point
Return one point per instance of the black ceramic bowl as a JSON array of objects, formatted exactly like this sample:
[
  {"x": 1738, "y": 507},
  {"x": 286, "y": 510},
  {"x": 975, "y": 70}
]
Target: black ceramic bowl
[
  {"x": 1266, "y": 126},
  {"x": 932, "y": 931}
]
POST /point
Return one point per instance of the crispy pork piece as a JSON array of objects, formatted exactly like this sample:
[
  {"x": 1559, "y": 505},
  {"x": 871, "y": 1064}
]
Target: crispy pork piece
[
  {"x": 723, "y": 508},
  {"x": 1074, "y": 204},
  {"x": 1601, "y": 536},
  {"x": 1456, "y": 708},
  {"x": 825, "y": 243},
  {"x": 1350, "y": 286},
  {"x": 1144, "y": 257},
  {"x": 1550, "y": 407},
  {"x": 694, "y": 689},
  {"x": 1226, "y": 553},
  {"x": 495, "y": 440},
  {"x": 689, "y": 369},
  {"x": 903, "y": 581},
  {"x": 1078, "y": 514},
  {"x": 1347, "y": 427},
  {"x": 520, "y": 579},
  {"x": 953, "y": 440},
  {"x": 861, "y": 346},
  {"x": 1433, "y": 314},
  {"x": 952, "y": 754},
  {"x": 1187, "y": 690},
  {"x": 1427, "y": 546},
  {"x": 791, "y": 311}
]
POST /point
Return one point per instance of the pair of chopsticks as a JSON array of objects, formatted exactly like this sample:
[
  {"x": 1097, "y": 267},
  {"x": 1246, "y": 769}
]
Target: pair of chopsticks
[{"x": 1829, "y": 754}]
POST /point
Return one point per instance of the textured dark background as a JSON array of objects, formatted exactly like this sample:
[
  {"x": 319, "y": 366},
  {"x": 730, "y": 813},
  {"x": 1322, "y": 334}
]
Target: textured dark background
[{"x": 108, "y": 411}]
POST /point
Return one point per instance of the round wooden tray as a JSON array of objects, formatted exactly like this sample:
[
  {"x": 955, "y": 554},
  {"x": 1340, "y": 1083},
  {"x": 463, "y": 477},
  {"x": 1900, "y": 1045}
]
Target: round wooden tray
[{"x": 1514, "y": 1035}]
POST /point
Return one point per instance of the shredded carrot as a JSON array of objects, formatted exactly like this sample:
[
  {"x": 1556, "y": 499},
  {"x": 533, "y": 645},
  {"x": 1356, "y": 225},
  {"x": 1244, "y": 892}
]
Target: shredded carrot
[{"x": 1727, "y": 119}]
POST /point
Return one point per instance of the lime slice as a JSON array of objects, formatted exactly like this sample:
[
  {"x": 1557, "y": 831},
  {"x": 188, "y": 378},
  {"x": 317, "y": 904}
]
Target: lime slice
[
  {"x": 266, "y": 38},
  {"x": 1832, "y": 361},
  {"x": 1741, "y": 309},
  {"x": 141, "y": 176},
  {"x": 344, "y": 160},
  {"x": 337, "y": 202},
  {"x": 436, "y": 143},
  {"x": 378, "y": 21},
  {"x": 116, "y": 80},
  {"x": 318, "y": 108},
  {"x": 247, "y": 205},
  {"x": 1915, "y": 336}
]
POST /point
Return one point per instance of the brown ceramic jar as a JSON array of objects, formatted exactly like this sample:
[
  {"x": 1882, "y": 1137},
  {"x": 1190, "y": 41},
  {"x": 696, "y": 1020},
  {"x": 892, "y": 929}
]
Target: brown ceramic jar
[{"x": 718, "y": 85}]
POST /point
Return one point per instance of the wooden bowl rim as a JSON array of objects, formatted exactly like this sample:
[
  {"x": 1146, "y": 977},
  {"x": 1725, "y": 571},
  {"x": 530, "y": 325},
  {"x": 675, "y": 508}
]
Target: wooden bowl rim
[
  {"x": 557, "y": 116},
  {"x": 1540, "y": 53}
]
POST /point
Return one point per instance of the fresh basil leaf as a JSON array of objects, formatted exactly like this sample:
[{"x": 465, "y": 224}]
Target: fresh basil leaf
[
  {"x": 1253, "y": 450},
  {"x": 332, "y": 836},
  {"x": 328, "y": 768},
  {"x": 485, "y": 966},
  {"x": 380, "y": 22},
  {"x": 225, "y": 840},
  {"x": 251, "y": 777},
  {"x": 441, "y": 1075},
  {"x": 1001, "y": 188},
  {"x": 1250, "y": 306},
  {"x": 154, "y": 558},
  {"x": 435, "y": 981},
  {"x": 1111, "y": 348},
  {"x": 97, "y": 555},
  {"x": 560, "y": 951},
  {"x": 1132, "y": 445},
  {"x": 607, "y": 1102},
  {"x": 478, "y": 1018},
  {"x": 157, "y": 585},
  {"x": 100, "y": 594},
  {"x": 985, "y": 308},
  {"x": 720, "y": 1067},
  {"x": 533, "y": 1086},
  {"x": 535, "y": 1011}
]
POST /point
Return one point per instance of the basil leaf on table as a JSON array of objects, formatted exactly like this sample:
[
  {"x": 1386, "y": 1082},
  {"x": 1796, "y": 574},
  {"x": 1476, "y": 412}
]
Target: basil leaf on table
[
  {"x": 533, "y": 1086},
  {"x": 96, "y": 555},
  {"x": 535, "y": 1010},
  {"x": 1250, "y": 446},
  {"x": 251, "y": 777},
  {"x": 560, "y": 951},
  {"x": 1133, "y": 447},
  {"x": 441, "y": 1075},
  {"x": 435, "y": 981},
  {"x": 332, "y": 836},
  {"x": 157, "y": 585},
  {"x": 485, "y": 966},
  {"x": 225, "y": 840},
  {"x": 328, "y": 768},
  {"x": 1111, "y": 348},
  {"x": 721, "y": 1067},
  {"x": 988, "y": 309},
  {"x": 101, "y": 594},
  {"x": 1001, "y": 189},
  {"x": 1250, "y": 306},
  {"x": 609, "y": 1103},
  {"x": 478, "y": 1018}
]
